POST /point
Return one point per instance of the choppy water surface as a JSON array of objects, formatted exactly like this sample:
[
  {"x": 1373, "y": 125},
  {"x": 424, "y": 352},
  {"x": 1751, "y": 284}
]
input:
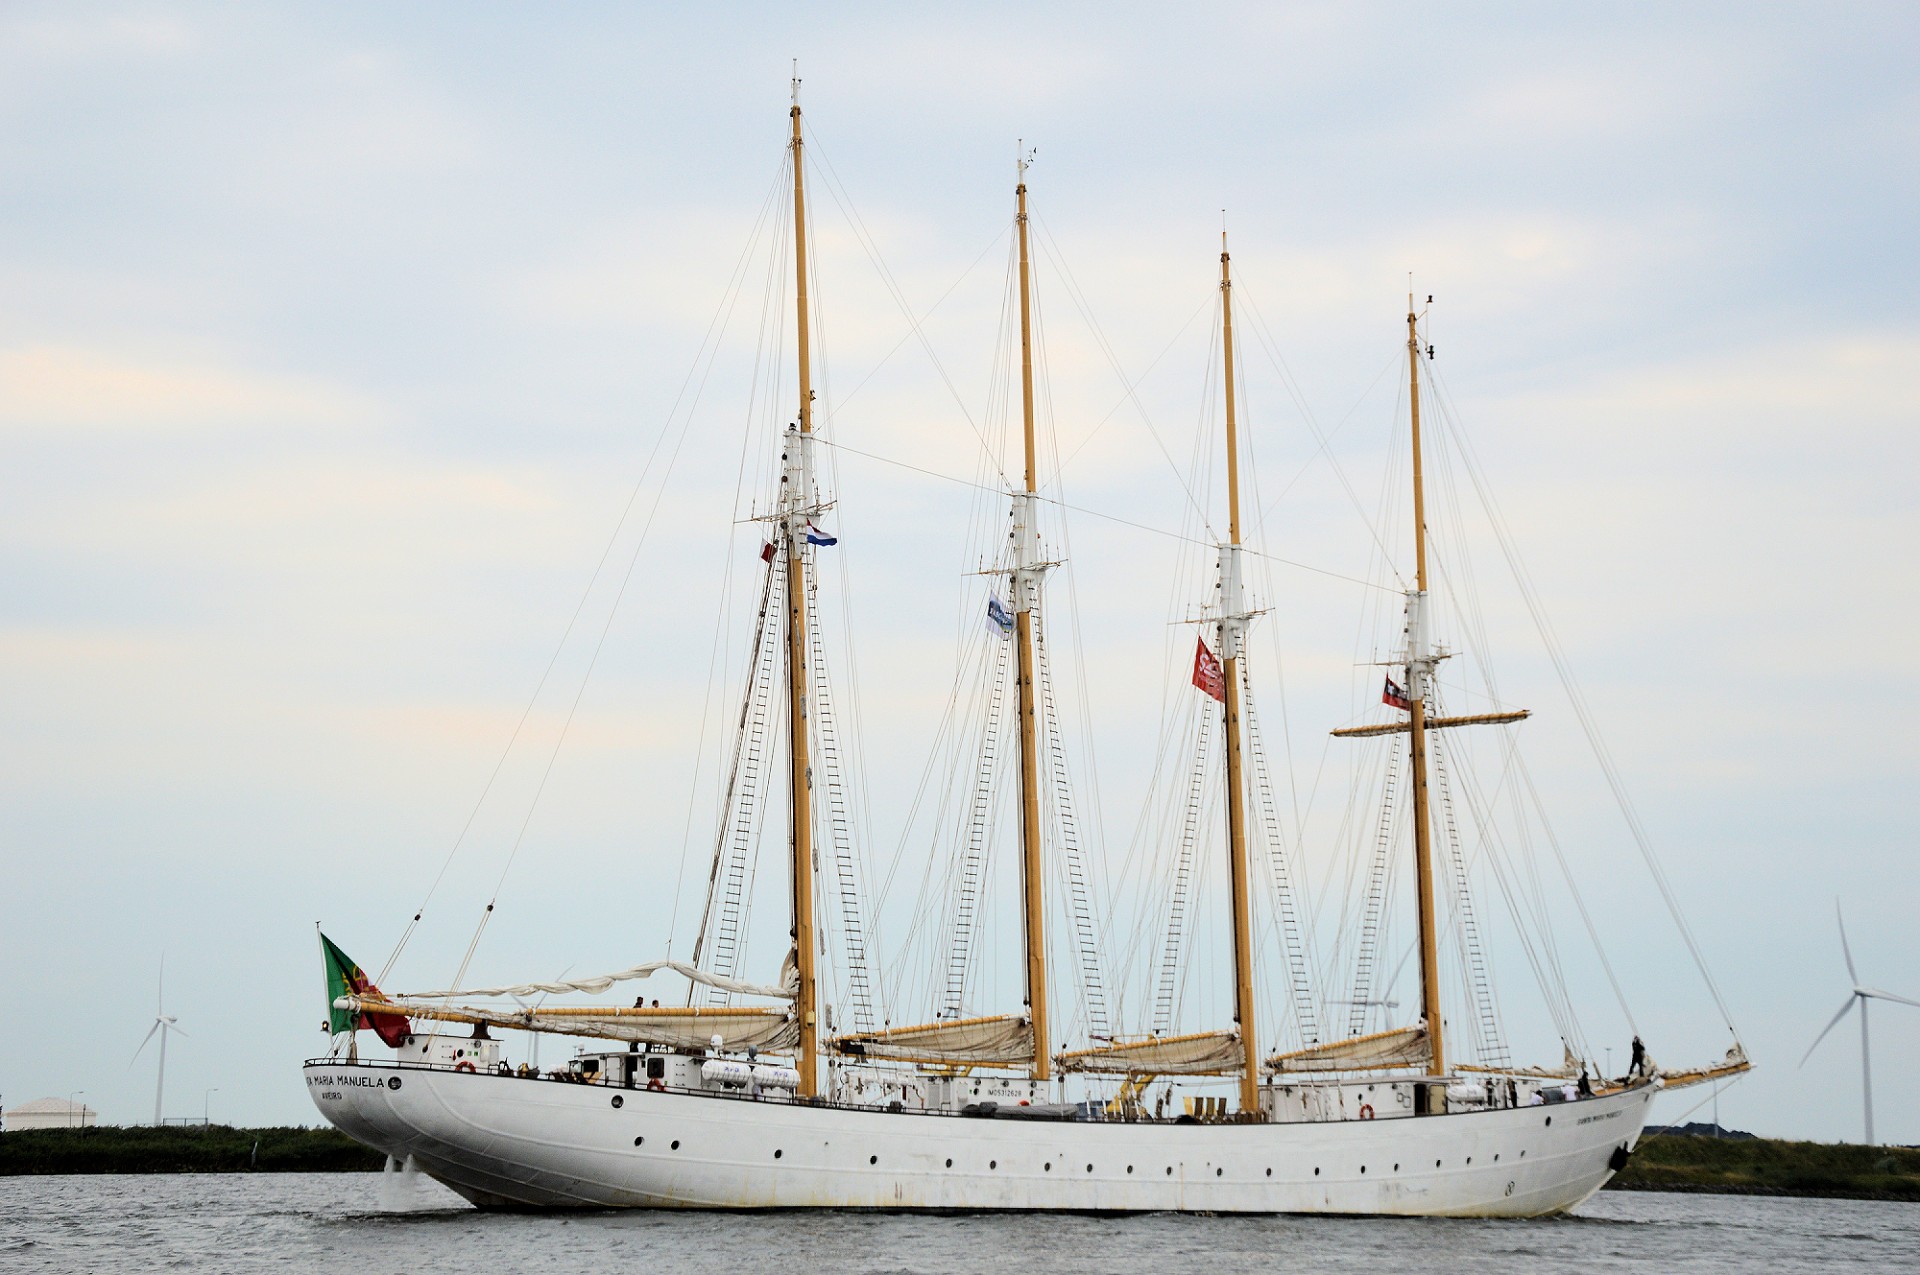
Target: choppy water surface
[{"x": 370, "y": 1226}]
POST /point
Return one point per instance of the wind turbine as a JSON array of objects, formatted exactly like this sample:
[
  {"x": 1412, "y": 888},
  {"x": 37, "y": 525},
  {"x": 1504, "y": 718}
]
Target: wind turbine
[
  {"x": 1860, "y": 996},
  {"x": 163, "y": 1023}
]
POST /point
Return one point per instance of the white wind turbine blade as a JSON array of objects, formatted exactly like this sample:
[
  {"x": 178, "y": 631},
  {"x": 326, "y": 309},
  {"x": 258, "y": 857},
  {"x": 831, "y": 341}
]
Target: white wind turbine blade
[
  {"x": 1888, "y": 996},
  {"x": 143, "y": 1044},
  {"x": 1829, "y": 1027},
  {"x": 1844, "y": 949}
]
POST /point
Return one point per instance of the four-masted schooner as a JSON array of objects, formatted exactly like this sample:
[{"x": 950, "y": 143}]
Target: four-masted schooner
[{"x": 734, "y": 1105}]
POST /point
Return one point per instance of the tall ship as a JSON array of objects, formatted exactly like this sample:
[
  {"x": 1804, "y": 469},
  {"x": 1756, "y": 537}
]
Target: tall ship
[{"x": 1295, "y": 1083}]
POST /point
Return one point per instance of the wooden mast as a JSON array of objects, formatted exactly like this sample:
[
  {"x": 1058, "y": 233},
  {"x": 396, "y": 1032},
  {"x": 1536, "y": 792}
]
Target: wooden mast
[
  {"x": 1026, "y": 588},
  {"x": 797, "y": 499},
  {"x": 1419, "y": 671},
  {"x": 1232, "y": 634}
]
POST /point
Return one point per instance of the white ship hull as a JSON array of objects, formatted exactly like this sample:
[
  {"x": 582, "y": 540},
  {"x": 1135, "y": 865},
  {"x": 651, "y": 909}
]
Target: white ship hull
[{"x": 508, "y": 1142}]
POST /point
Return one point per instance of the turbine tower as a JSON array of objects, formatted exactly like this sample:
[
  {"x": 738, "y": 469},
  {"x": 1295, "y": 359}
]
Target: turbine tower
[
  {"x": 163, "y": 1023},
  {"x": 1859, "y": 996}
]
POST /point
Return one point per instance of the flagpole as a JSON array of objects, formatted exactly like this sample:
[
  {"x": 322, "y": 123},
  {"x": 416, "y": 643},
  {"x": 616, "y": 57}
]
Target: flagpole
[
  {"x": 797, "y": 495},
  {"x": 1233, "y": 625},
  {"x": 1026, "y": 596},
  {"x": 1419, "y": 674}
]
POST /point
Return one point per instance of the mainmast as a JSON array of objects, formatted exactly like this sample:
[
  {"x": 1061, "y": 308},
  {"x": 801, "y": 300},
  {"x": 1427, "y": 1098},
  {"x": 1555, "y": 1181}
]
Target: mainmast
[
  {"x": 796, "y": 504},
  {"x": 1027, "y": 570},
  {"x": 1420, "y": 662},
  {"x": 1233, "y": 629}
]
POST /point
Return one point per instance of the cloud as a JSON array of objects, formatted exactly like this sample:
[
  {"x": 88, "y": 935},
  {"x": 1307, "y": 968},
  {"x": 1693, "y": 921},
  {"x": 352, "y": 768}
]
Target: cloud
[{"x": 60, "y": 387}]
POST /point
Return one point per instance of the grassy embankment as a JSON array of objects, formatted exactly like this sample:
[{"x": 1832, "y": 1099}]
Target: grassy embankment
[
  {"x": 1757, "y": 1166},
  {"x": 1763, "y": 1166},
  {"x": 219, "y": 1149}
]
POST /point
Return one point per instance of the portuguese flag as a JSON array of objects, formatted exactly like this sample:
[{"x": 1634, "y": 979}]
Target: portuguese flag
[{"x": 344, "y": 978}]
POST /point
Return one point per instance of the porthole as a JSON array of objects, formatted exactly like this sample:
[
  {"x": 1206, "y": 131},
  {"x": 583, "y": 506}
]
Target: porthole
[
  {"x": 1047, "y": 1167},
  {"x": 1269, "y": 1172},
  {"x": 1218, "y": 1172},
  {"x": 1469, "y": 1159},
  {"x": 1496, "y": 1157},
  {"x": 777, "y": 1153},
  {"x": 1363, "y": 1168},
  {"x": 949, "y": 1162},
  {"x": 993, "y": 1164},
  {"x": 1436, "y": 1164},
  {"x": 1549, "y": 1122},
  {"x": 1129, "y": 1168},
  {"x": 1089, "y": 1168},
  {"x": 618, "y": 1102},
  {"x": 639, "y": 1140},
  {"x": 1169, "y": 1170},
  {"x": 674, "y": 1145},
  {"x": 1523, "y": 1155},
  {"x": 1316, "y": 1173},
  {"x": 1396, "y": 1168},
  {"x": 873, "y": 1159}
]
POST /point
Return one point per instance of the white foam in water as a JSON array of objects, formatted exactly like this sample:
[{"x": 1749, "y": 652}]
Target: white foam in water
[{"x": 400, "y": 1187}]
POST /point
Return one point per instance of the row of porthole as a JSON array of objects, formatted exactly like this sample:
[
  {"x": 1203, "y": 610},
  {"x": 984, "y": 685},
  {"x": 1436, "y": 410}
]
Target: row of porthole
[{"x": 1048, "y": 1166}]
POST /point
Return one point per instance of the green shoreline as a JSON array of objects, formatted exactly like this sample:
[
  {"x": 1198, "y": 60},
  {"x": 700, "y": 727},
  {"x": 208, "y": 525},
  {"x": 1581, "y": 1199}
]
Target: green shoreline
[{"x": 1663, "y": 1162}]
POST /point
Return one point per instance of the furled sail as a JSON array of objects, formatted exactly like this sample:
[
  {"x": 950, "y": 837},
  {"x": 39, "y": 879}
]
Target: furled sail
[
  {"x": 1212, "y": 1053},
  {"x": 997, "y": 1040},
  {"x": 595, "y": 984},
  {"x": 1732, "y": 1065},
  {"x": 1401, "y": 1047},
  {"x": 679, "y": 1027}
]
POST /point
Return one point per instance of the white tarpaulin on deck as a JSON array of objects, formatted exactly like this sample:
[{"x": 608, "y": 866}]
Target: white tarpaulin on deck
[{"x": 1197, "y": 1054}]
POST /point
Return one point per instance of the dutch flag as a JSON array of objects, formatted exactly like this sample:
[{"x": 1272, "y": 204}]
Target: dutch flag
[{"x": 815, "y": 536}]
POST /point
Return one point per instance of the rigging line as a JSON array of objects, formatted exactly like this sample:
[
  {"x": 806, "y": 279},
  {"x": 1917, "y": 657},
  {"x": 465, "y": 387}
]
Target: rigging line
[
  {"x": 1577, "y": 698},
  {"x": 586, "y": 677},
  {"x": 728, "y": 297},
  {"x": 1047, "y": 244},
  {"x": 1324, "y": 440},
  {"x": 1128, "y": 395},
  {"x": 1095, "y": 513},
  {"x": 832, "y": 414},
  {"x": 864, "y": 238}
]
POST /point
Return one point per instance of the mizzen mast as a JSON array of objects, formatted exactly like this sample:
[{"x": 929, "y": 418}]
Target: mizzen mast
[
  {"x": 1233, "y": 630},
  {"x": 797, "y": 500},
  {"x": 1419, "y": 663},
  {"x": 1027, "y": 570}
]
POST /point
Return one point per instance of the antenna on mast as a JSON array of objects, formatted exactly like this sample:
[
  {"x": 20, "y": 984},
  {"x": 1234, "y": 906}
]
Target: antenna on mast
[{"x": 796, "y": 81}]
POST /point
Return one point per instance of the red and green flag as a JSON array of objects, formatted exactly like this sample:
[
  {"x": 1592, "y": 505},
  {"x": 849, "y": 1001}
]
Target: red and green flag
[{"x": 344, "y": 978}]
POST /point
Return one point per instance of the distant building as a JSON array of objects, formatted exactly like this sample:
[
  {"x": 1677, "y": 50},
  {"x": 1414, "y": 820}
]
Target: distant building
[{"x": 48, "y": 1113}]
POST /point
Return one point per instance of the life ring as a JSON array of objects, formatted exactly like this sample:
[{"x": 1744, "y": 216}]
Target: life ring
[
  {"x": 464, "y": 1065},
  {"x": 1366, "y": 1111},
  {"x": 656, "y": 1084}
]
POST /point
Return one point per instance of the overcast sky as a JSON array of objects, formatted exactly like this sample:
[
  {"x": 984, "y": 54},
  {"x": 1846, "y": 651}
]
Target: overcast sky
[{"x": 333, "y": 339}]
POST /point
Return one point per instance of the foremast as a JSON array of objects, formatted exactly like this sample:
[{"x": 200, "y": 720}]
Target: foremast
[
  {"x": 1420, "y": 662},
  {"x": 797, "y": 500},
  {"x": 1233, "y": 629},
  {"x": 1025, "y": 599}
]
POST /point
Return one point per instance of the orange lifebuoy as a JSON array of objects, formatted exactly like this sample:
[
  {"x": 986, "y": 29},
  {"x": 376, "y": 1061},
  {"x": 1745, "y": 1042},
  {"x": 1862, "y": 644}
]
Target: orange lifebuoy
[
  {"x": 464, "y": 1065},
  {"x": 654, "y": 1083},
  {"x": 1366, "y": 1111}
]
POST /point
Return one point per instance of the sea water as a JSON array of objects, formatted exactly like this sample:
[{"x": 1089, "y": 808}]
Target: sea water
[{"x": 373, "y": 1224}]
